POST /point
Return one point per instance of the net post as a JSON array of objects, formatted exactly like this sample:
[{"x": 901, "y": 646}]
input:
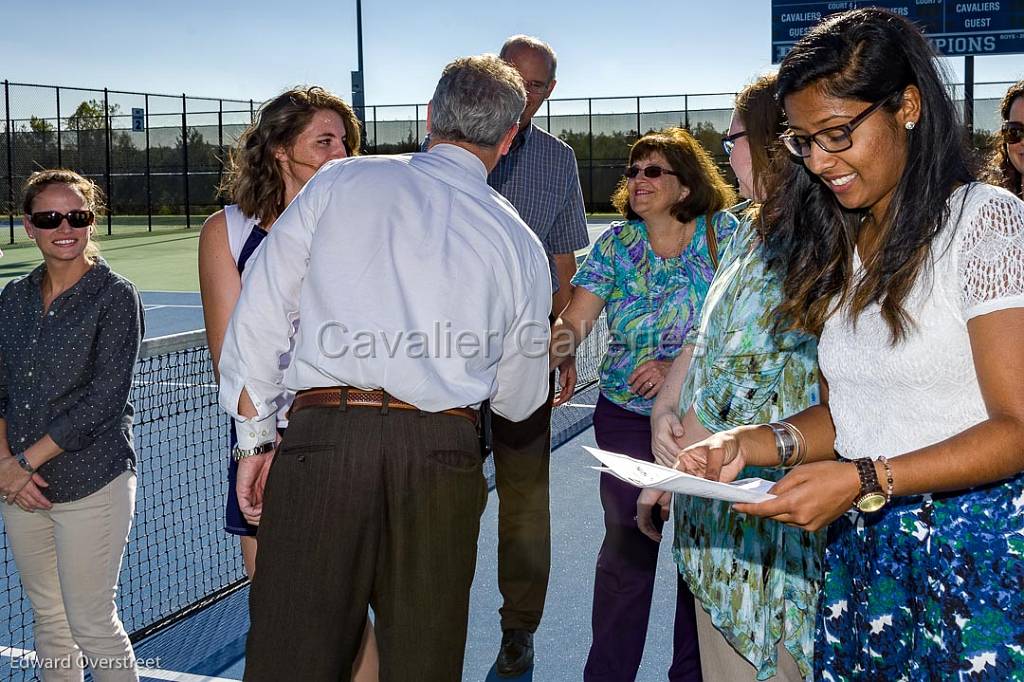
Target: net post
[
  {"x": 106, "y": 153},
  {"x": 10, "y": 158}
]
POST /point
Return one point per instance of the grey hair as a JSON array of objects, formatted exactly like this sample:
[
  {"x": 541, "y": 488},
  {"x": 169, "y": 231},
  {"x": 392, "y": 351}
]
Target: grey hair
[
  {"x": 477, "y": 100},
  {"x": 520, "y": 42}
]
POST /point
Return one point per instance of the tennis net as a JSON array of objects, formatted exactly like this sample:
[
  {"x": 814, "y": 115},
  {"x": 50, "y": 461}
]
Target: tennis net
[{"x": 179, "y": 560}]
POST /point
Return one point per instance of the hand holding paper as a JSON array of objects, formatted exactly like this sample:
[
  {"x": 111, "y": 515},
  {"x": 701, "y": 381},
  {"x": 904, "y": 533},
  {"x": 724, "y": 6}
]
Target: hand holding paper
[{"x": 648, "y": 475}]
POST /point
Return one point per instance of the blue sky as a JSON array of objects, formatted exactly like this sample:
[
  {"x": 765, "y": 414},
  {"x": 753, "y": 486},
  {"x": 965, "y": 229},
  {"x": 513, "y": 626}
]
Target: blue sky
[{"x": 257, "y": 48}]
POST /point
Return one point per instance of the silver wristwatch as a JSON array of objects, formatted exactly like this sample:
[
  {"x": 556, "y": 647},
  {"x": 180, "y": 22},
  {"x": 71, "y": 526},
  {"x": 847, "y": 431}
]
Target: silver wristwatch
[
  {"x": 241, "y": 453},
  {"x": 23, "y": 463}
]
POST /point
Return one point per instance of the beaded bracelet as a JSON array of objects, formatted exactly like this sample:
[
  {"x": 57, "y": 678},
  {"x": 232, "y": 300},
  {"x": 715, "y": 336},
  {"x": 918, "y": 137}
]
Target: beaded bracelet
[{"x": 888, "y": 478}]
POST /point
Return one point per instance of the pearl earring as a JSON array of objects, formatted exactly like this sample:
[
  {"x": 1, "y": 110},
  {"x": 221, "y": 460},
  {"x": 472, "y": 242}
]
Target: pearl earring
[{"x": 909, "y": 125}]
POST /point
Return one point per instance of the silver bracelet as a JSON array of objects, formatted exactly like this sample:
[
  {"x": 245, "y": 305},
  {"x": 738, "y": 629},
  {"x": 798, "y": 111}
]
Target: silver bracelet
[
  {"x": 785, "y": 443},
  {"x": 801, "y": 444}
]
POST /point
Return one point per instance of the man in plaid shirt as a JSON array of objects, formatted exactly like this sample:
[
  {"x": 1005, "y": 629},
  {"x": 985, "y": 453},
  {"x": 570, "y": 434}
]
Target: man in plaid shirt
[{"x": 540, "y": 178}]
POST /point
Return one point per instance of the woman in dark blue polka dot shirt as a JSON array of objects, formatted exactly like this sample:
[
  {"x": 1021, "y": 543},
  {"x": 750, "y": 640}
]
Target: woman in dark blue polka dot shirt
[{"x": 69, "y": 337}]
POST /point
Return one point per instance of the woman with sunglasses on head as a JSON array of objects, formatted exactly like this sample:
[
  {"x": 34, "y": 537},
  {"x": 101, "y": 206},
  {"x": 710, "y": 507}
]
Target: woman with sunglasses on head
[
  {"x": 755, "y": 581},
  {"x": 294, "y": 134},
  {"x": 912, "y": 274},
  {"x": 649, "y": 274},
  {"x": 1006, "y": 167},
  {"x": 70, "y": 333}
]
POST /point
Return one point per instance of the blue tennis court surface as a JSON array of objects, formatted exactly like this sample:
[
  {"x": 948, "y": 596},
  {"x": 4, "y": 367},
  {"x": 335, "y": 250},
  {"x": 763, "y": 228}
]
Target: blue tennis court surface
[{"x": 172, "y": 312}]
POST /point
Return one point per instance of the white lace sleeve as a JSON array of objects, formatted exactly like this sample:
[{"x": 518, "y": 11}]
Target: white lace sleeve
[{"x": 991, "y": 263}]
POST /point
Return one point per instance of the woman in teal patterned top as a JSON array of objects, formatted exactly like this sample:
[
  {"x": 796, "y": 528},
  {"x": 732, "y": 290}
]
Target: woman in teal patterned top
[
  {"x": 650, "y": 275},
  {"x": 757, "y": 580}
]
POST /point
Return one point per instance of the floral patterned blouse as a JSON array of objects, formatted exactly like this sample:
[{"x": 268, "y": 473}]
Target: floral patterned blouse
[
  {"x": 652, "y": 303},
  {"x": 757, "y": 578}
]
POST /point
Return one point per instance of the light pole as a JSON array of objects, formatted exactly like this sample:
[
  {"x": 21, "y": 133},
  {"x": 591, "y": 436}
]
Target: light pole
[{"x": 358, "y": 98}]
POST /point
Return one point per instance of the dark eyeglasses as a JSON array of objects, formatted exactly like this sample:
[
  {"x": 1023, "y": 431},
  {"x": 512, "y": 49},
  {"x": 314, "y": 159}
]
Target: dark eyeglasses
[
  {"x": 834, "y": 139},
  {"x": 729, "y": 141},
  {"x": 49, "y": 220},
  {"x": 1013, "y": 132},
  {"x": 649, "y": 171}
]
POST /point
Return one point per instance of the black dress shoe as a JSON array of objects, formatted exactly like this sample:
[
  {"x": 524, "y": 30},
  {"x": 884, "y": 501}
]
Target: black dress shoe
[{"x": 516, "y": 654}]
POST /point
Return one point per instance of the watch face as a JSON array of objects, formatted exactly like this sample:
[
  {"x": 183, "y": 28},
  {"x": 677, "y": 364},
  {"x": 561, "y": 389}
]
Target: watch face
[{"x": 871, "y": 502}]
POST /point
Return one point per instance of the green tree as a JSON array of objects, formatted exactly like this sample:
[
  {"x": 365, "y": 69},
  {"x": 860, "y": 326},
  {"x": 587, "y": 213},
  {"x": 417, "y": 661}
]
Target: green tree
[
  {"x": 40, "y": 126},
  {"x": 37, "y": 142},
  {"x": 89, "y": 115}
]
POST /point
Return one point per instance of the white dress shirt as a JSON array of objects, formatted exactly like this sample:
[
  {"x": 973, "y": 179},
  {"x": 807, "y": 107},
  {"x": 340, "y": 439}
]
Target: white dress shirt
[{"x": 406, "y": 273}]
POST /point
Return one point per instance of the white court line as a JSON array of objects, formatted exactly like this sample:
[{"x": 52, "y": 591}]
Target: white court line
[
  {"x": 167, "y": 291},
  {"x": 155, "y": 673},
  {"x": 589, "y": 407},
  {"x": 152, "y": 306},
  {"x": 180, "y": 677}
]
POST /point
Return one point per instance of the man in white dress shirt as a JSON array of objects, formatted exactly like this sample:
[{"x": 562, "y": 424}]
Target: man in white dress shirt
[{"x": 419, "y": 294}]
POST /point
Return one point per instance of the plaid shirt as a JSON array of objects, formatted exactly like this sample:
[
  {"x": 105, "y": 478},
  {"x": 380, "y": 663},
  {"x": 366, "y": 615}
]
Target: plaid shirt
[{"x": 540, "y": 178}]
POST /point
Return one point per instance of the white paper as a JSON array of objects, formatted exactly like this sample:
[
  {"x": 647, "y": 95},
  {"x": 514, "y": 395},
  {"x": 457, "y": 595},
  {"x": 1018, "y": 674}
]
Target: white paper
[{"x": 649, "y": 475}]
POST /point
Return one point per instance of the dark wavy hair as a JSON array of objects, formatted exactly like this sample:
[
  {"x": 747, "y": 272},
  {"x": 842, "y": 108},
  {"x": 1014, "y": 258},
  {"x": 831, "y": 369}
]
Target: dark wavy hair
[
  {"x": 709, "y": 192},
  {"x": 866, "y": 55},
  {"x": 254, "y": 179},
  {"x": 1000, "y": 171}
]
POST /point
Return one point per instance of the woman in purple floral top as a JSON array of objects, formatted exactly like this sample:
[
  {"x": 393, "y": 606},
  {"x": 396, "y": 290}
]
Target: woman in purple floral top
[{"x": 649, "y": 274}]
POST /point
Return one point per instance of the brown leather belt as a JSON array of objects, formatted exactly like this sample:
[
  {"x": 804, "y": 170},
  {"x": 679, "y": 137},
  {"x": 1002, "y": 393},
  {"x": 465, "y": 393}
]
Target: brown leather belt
[{"x": 355, "y": 397}]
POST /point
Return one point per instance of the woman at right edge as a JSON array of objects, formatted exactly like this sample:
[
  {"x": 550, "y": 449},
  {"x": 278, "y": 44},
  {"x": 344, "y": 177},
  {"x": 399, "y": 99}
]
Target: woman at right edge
[{"x": 912, "y": 275}]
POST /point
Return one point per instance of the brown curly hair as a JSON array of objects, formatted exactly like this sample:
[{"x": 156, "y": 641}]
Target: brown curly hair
[
  {"x": 709, "y": 191},
  {"x": 89, "y": 190},
  {"x": 1000, "y": 171},
  {"x": 254, "y": 179}
]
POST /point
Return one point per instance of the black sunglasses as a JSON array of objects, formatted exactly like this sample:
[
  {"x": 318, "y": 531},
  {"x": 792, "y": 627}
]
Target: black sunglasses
[
  {"x": 49, "y": 220},
  {"x": 649, "y": 171},
  {"x": 729, "y": 141},
  {"x": 835, "y": 139},
  {"x": 1013, "y": 132}
]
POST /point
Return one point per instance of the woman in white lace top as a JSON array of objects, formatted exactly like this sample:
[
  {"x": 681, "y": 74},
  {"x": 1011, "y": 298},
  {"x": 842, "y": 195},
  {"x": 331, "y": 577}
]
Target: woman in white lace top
[{"x": 912, "y": 274}]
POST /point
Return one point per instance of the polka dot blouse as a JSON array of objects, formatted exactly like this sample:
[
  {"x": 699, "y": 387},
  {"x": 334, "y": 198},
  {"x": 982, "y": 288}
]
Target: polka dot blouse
[{"x": 68, "y": 372}]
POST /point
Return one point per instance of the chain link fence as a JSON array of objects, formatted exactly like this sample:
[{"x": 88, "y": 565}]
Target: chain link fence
[{"x": 160, "y": 158}]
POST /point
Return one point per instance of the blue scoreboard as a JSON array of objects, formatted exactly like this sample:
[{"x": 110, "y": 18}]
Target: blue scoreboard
[{"x": 956, "y": 28}]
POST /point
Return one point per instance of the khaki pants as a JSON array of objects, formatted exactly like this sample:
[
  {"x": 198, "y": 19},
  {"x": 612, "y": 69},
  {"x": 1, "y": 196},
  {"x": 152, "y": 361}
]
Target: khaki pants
[
  {"x": 721, "y": 663},
  {"x": 522, "y": 459},
  {"x": 68, "y": 559}
]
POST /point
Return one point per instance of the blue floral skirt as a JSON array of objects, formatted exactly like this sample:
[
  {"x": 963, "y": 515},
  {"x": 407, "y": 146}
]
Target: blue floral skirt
[{"x": 929, "y": 588}]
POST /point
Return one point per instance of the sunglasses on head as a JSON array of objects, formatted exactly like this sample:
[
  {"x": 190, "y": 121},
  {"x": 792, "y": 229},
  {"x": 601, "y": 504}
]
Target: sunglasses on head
[
  {"x": 1013, "y": 132},
  {"x": 49, "y": 220},
  {"x": 649, "y": 171}
]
